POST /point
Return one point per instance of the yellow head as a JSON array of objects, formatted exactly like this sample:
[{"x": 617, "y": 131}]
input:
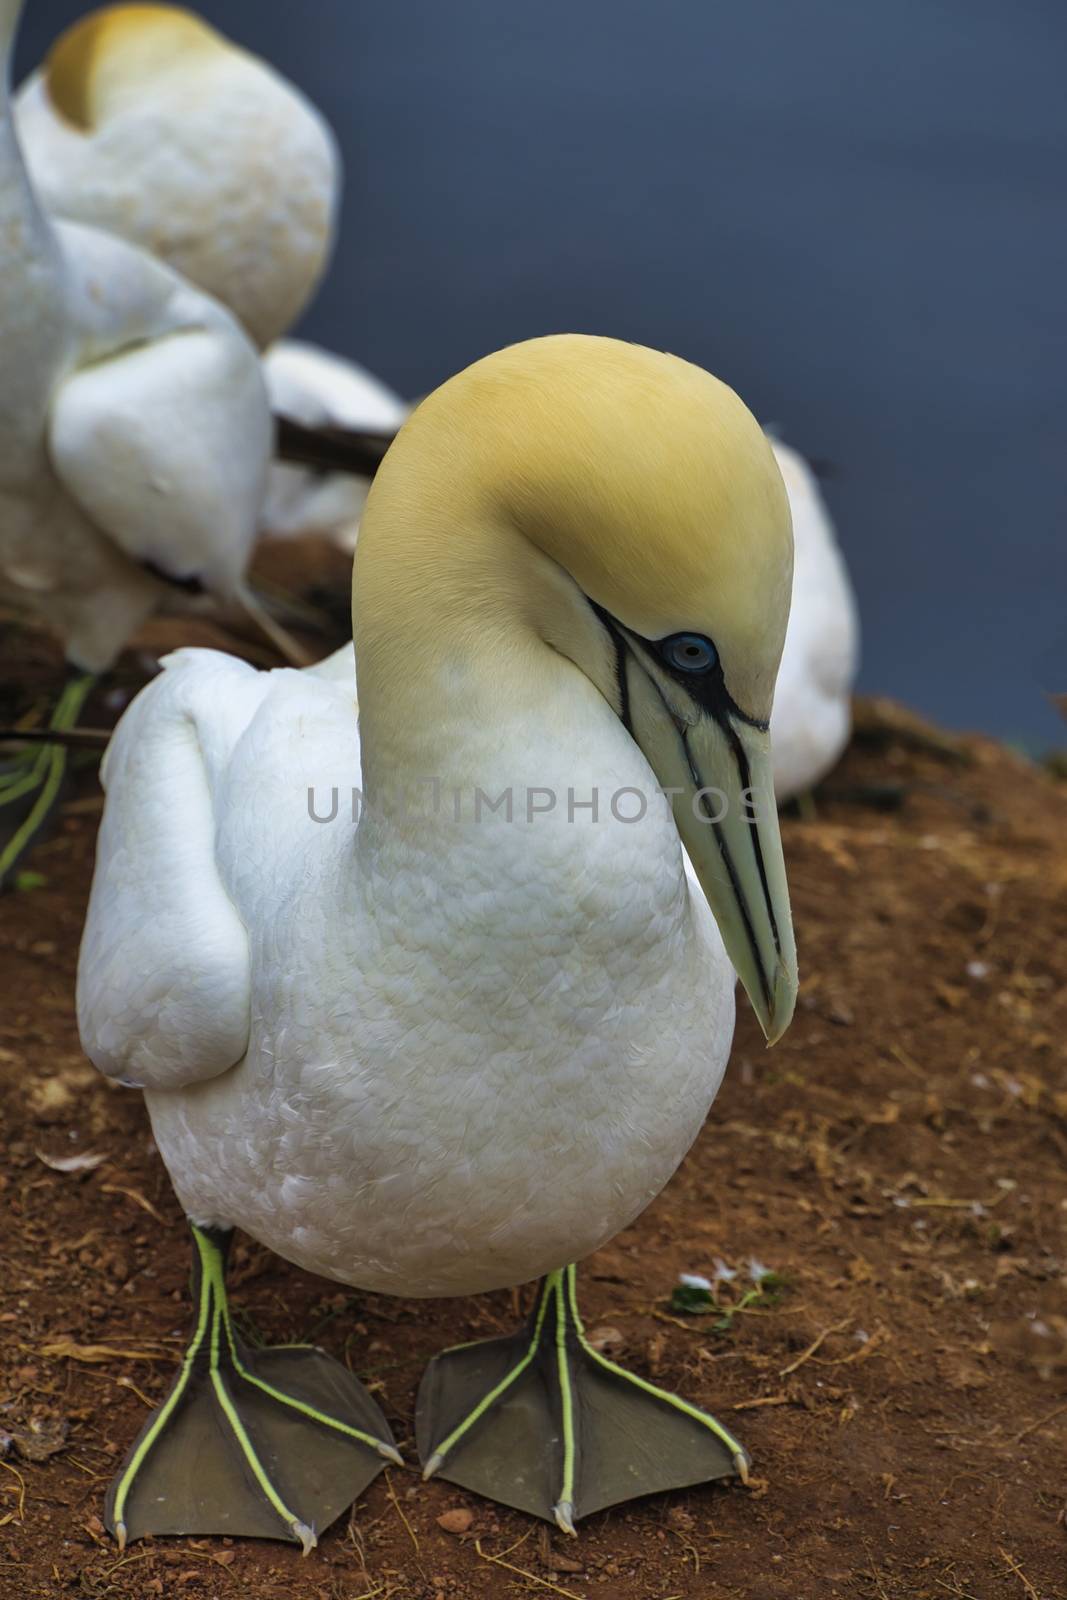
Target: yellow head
[
  {"x": 118, "y": 49},
  {"x": 624, "y": 508},
  {"x": 651, "y": 483}
]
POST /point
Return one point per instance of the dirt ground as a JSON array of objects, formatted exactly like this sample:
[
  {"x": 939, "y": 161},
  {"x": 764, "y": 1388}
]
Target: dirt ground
[{"x": 898, "y": 1161}]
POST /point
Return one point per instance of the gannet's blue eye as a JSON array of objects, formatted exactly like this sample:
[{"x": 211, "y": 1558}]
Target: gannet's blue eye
[{"x": 689, "y": 652}]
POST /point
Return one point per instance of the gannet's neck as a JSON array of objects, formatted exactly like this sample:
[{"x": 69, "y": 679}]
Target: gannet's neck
[
  {"x": 460, "y": 625},
  {"x": 490, "y": 760},
  {"x": 31, "y": 283}
]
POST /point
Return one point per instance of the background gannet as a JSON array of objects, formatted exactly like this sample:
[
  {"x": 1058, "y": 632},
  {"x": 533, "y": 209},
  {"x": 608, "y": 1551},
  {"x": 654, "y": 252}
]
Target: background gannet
[
  {"x": 146, "y": 122},
  {"x": 812, "y": 715},
  {"x": 452, "y": 1046},
  {"x": 135, "y": 433},
  {"x": 316, "y": 388}
]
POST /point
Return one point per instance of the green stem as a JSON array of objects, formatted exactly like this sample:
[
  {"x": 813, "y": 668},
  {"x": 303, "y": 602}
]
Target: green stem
[{"x": 47, "y": 773}]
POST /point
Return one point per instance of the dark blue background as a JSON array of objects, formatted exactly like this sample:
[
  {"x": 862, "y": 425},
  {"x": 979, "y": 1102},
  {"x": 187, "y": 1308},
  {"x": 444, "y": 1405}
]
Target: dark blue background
[{"x": 853, "y": 213}]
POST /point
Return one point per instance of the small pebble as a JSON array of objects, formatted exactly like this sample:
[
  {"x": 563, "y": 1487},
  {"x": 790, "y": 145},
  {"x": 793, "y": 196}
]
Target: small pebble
[
  {"x": 607, "y": 1341},
  {"x": 558, "y": 1562},
  {"x": 456, "y": 1520}
]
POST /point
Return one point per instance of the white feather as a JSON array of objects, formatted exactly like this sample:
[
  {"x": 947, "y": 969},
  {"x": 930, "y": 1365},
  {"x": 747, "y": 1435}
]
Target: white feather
[{"x": 811, "y": 720}]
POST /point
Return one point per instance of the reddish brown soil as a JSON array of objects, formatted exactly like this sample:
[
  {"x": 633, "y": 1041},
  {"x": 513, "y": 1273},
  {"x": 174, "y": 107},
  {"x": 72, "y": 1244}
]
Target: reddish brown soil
[{"x": 899, "y": 1158}]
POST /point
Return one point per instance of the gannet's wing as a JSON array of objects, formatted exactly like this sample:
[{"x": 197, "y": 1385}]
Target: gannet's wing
[
  {"x": 165, "y": 445},
  {"x": 161, "y": 429},
  {"x": 164, "y": 989}
]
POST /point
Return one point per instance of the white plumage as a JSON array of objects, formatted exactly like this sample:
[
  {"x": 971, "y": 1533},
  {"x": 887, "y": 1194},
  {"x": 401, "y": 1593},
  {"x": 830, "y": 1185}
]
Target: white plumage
[
  {"x": 812, "y": 716},
  {"x": 363, "y": 1080}
]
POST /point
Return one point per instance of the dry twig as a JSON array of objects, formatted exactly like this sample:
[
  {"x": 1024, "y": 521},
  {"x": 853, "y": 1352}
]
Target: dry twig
[
  {"x": 391, "y": 1492},
  {"x": 1032, "y": 1427},
  {"x": 531, "y": 1577},
  {"x": 816, "y": 1344},
  {"x": 135, "y": 1195},
  {"x": 20, "y": 1509},
  {"x": 1013, "y": 1566},
  {"x": 92, "y": 1353}
]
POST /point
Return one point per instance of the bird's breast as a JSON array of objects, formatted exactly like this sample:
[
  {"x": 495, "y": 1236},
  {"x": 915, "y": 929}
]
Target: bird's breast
[{"x": 463, "y": 1077}]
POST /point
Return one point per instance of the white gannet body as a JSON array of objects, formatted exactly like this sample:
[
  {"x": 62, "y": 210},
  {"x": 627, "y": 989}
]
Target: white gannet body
[
  {"x": 146, "y": 122},
  {"x": 464, "y": 1039},
  {"x": 448, "y": 1112},
  {"x": 812, "y": 700},
  {"x": 319, "y": 389}
]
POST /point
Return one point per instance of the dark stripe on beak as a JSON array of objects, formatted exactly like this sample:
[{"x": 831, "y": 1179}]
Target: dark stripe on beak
[
  {"x": 741, "y": 757},
  {"x": 731, "y": 872}
]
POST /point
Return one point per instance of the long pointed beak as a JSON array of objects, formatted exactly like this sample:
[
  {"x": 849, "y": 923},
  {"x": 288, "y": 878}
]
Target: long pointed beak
[
  {"x": 719, "y": 777},
  {"x": 730, "y": 828}
]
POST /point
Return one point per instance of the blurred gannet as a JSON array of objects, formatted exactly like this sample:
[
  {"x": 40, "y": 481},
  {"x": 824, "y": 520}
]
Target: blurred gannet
[
  {"x": 135, "y": 434},
  {"x": 146, "y": 122},
  {"x": 463, "y": 1040},
  {"x": 316, "y": 388},
  {"x": 812, "y": 700}
]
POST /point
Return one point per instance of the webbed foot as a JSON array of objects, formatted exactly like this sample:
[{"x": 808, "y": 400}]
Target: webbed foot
[
  {"x": 269, "y": 1444},
  {"x": 545, "y": 1423}
]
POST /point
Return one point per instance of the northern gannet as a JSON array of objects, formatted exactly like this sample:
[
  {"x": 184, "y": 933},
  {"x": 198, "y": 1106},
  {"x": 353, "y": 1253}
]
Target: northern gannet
[
  {"x": 460, "y": 1040},
  {"x": 135, "y": 436},
  {"x": 147, "y": 122},
  {"x": 812, "y": 700},
  {"x": 315, "y": 388}
]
